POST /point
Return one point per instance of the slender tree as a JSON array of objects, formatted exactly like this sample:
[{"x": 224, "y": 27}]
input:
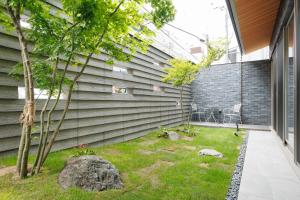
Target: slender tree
[
  {"x": 182, "y": 72},
  {"x": 11, "y": 19},
  {"x": 64, "y": 44}
]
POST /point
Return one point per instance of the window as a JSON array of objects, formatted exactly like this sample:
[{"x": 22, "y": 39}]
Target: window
[
  {"x": 161, "y": 64},
  {"x": 157, "y": 88},
  {"x": 38, "y": 94},
  {"x": 120, "y": 69},
  {"x": 158, "y": 64},
  {"x": 119, "y": 90}
]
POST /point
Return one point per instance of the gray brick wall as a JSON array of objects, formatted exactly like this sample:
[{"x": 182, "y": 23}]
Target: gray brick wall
[
  {"x": 256, "y": 92},
  {"x": 223, "y": 86}
]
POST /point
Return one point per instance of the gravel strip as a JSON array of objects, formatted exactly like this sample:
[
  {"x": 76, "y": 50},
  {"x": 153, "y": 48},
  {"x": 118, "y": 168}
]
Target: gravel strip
[{"x": 233, "y": 190}]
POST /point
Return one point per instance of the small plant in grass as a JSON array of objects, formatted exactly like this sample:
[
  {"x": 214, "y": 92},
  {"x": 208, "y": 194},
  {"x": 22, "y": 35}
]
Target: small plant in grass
[
  {"x": 163, "y": 132},
  {"x": 190, "y": 131},
  {"x": 83, "y": 150}
]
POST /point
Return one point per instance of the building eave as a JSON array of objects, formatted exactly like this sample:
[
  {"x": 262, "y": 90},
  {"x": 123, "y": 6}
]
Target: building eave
[{"x": 233, "y": 16}]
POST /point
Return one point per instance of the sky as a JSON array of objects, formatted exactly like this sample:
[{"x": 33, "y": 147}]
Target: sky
[{"x": 200, "y": 17}]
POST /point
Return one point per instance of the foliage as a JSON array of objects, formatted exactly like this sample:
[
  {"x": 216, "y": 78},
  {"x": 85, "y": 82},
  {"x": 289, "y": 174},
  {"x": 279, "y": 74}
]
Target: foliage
[
  {"x": 41, "y": 72},
  {"x": 215, "y": 50},
  {"x": 83, "y": 150},
  {"x": 190, "y": 130},
  {"x": 163, "y": 12},
  {"x": 87, "y": 20},
  {"x": 179, "y": 175},
  {"x": 182, "y": 72},
  {"x": 187, "y": 129},
  {"x": 163, "y": 132}
]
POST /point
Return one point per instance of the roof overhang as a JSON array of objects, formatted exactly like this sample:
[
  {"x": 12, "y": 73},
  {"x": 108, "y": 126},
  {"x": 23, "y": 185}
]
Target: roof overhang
[{"x": 253, "y": 22}]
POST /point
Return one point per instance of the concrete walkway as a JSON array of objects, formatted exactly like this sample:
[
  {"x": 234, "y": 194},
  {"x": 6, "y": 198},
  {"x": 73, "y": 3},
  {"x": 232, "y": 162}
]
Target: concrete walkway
[{"x": 268, "y": 173}]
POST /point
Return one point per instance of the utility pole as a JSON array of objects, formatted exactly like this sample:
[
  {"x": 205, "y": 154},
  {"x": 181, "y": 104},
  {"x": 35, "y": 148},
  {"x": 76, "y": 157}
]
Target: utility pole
[
  {"x": 223, "y": 8},
  {"x": 227, "y": 35}
]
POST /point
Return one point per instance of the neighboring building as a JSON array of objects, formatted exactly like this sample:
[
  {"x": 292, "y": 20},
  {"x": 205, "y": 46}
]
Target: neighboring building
[{"x": 275, "y": 23}]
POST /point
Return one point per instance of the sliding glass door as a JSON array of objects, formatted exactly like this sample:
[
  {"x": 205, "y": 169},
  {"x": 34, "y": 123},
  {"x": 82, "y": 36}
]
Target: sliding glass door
[{"x": 290, "y": 84}]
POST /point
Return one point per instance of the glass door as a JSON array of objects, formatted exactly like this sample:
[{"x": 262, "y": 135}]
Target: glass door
[{"x": 290, "y": 84}]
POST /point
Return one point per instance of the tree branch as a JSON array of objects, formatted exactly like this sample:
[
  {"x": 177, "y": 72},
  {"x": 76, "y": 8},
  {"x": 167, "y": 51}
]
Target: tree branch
[{"x": 56, "y": 131}]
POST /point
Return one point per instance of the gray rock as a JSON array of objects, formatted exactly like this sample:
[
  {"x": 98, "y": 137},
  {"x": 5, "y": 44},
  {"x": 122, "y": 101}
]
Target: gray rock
[
  {"x": 173, "y": 135},
  {"x": 90, "y": 173},
  {"x": 210, "y": 152}
]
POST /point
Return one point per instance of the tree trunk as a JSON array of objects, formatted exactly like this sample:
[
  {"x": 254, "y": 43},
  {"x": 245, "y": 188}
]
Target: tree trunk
[
  {"x": 41, "y": 141},
  {"x": 68, "y": 101},
  {"x": 181, "y": 106},
  {"x": 44, "y": 142},
  {"x": 57, "y": 129},
  {"x": 21, "y": 149},
  {"x": 28, "y": 115},
  {"x": 25, "y": 153}
]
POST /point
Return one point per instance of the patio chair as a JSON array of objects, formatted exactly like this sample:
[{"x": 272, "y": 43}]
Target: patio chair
[
  {"x": 234, "y": 113},
  {"x": 199, "y": 111},
  {"x": 211, "y": 114}
]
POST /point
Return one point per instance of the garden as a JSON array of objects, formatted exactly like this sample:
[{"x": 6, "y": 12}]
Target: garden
[
  {"x": 64, "y": 49},
  {"x": 151, "y": 167}
]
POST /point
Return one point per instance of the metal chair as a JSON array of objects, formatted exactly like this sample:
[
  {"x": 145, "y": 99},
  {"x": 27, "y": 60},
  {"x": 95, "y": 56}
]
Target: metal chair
[
  {"x": 211, "y": 114},
  {"x": 198, "y": 111},
  {"x": 235, "y": 112}
]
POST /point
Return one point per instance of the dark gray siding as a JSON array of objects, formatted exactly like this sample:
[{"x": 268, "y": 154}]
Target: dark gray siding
[{"x": 96, "y": 115}]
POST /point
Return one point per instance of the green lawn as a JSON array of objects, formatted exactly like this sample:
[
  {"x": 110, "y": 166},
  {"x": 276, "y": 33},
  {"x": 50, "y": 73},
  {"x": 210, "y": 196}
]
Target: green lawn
[{"x": 152, "y": 168}]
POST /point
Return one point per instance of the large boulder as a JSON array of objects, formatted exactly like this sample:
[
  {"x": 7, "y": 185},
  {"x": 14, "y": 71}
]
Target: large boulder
[{"x": 90, "y": 173}]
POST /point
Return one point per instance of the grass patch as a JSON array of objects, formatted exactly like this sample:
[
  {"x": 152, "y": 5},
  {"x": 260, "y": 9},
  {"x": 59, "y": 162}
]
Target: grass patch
[{"x": 151, "y": 168}]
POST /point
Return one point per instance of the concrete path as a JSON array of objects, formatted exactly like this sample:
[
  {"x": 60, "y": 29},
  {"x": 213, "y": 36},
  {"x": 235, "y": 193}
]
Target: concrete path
[{"x": 268, "y": 173}]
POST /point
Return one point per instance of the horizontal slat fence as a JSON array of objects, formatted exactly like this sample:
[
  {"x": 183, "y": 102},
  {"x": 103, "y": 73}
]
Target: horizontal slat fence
[{"x": 96, "y": 116}]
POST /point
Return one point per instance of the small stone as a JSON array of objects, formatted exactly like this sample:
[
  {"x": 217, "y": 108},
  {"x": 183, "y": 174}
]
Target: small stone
[
  {"x": 90, "y": 173},
  {"x": 173, "y": 136},
  {"x": 210, "y": 152}
]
